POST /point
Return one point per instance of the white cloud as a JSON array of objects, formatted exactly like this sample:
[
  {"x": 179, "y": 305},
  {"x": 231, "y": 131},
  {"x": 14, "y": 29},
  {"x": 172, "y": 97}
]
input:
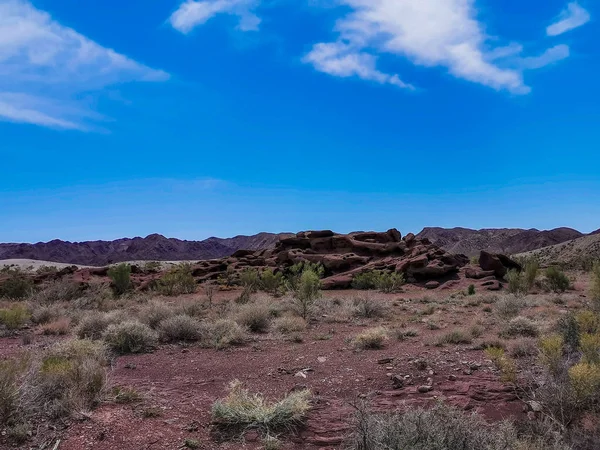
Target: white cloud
[
  {"x": 44, "y": 66},
  {"x": 550, "y": 56},
  {"x": 572, "y": 17},
  {"x": 430, "y": 33},
  {"x": 191, "y": 13},
  {"x": 343, "y": 60}
]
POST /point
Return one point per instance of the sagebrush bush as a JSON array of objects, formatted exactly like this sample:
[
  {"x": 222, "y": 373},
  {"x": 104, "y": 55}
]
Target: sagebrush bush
[
  {"x": 588, "y": 321},
  {"x": 569, "y": 329},
  {"x": 508, "y": 306},
  {"x": 9, "y": 389},
  {"x": 369, "y": 308},
  {"x": 389, "y": 281},
  {"x": 506, "y": 365},
  {"x": 93, "y": 325},
  {"x": 250, "y": 279},
  {"x": 520, "y": 326},
  {"x": 523, "y": 348},
  {"x": 242, "y": 409},
  {"x": 120, "y": 276},
  {"x": 271, "y": 282},
  {"x": 223, "y": 333},
  {"x": 372, "y": 338},
  {"x": 180, "y": 328},
  {"x": 255, "y": 316},
  {"x": 71, "y": 376},
  {"x": 289, "y": 324},
  {"x": 154, "y": 313},
  {"x": 454, "y": 337},
  {"x": 557, "y": 280},
  {"x": 44, "y": 314},
  {"x": 130, "y": 337},
  {"x": 14, "y": 317},
  {"x": 58, "y": 327},
  {"x": 57, "y": 291},
  {"x": 517, "y": 284},
  {"x": 439, "y": 428}
]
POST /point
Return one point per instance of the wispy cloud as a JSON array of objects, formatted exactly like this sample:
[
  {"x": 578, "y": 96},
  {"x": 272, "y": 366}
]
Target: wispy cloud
[
  {"x": 550, "y": 56},
  {"x": 572, "y": 17},
  {"x": 44, "y": 65},
  {"x": 343, "y": 60},
  {"x": 192, "y": 13}
]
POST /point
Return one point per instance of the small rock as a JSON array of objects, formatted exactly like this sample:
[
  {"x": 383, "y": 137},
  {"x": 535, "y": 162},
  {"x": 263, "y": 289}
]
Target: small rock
[
  {"x": 432, "y": 284},
  {"x": 397, "y": 382},
  {"x": 321, "y": 359},
  {"x": 389, "y": 368},
  {"x": 535, "y": 406},
  {"x": 300, "y": 374},
  {"x": 385, "y": 360},
  {"x": 452, "y": 377},
  {"x": 468, "y": 372},
  {"x": 424, "y": 389}
]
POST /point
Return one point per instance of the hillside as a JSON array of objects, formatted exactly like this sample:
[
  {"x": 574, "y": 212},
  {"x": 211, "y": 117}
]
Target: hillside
[
  {"x": 154, "y": 247},
  {"x": 571, "y": 253},
  {"x": 496, "y": 240}
]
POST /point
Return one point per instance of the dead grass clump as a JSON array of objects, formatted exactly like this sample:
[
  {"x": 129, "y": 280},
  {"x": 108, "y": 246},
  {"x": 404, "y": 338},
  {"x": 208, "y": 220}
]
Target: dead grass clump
[
  {"x": 335, "y": 310},
  {"x": 439, "y": 428},
  {"x": 180, "y": 328},
  {"x": 58, "y": 327},
  {"x": 520, "y": 326},
  {"x": 45, "y": 314},
  {"x": 373, "y": 338},
  {"x": 255, "y": 316},
  {"x": 523, "y": 348},
  {"x": 454, "y": 337},
  {"x": 402, "y": 334},
  {"x": 93, "y": 325},
  {"x": 242, "y": 410},
  {"x": 71, "y": 376},
  {"x": 130, "y": 337},
  {"x": 509, "y": 306},
  {"x": 57, "y": 291},
  {"x": 289, "y": 324}
]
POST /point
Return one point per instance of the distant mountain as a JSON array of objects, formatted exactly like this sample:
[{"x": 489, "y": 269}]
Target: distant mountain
[
  {"x": 154, "y": 247},
  {"x": 496, "y": 240},
  {"x": 574, "y": 253}
]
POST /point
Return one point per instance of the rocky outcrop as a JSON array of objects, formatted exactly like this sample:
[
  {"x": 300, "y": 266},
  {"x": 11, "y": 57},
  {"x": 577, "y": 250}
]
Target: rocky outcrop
[
  {"x": 497, "y": 263},
  {"x": 343, "y": 256}
]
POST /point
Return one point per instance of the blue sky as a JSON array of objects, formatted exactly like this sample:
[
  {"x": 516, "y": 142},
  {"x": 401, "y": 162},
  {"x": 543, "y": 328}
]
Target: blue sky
[{"x": 225, "y": 117}]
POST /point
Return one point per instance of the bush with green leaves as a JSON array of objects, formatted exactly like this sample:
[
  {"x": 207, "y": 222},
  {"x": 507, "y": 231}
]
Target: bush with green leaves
[
  {"x": 516, "y": 283},
  {"x": 120, "y": 276},
  {"x": 378, "y": 279},
  {"x": 365, "y": 280},
  {"x": 471, "y": 290},
  {"x": 294, "y": 273},
  {"x": 557, "y": 280},
  {"x": 250, "y": 280},
  {"x": 308, "y": 291},
  {"x": 177, "y": 281},
  {"x": 14, "y": 317},
  {"x": 130, "y": 337},
  {"x": 17, "y": 286},
  {"x": 272, "y": 282}
]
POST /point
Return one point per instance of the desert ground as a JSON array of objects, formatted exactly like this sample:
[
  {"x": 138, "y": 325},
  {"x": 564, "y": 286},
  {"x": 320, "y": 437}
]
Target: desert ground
[{"x": 392, "y": 343}]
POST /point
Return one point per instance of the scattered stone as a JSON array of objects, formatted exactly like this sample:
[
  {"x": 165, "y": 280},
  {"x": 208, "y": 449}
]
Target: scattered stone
[
  {"x": 452, "y": 377},
  {"x": 424, "y": 389},
  {"x": 397, "y": 382},
  {"x": 321, "y": 359},
  {"x": 432, "y": 284},
  {"x": 385, "y": 360}
]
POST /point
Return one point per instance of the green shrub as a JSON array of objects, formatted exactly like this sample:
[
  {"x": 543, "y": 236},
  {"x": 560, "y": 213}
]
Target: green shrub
[
  {"x": 14, "y": 317},
  {"x": 272, "y": 282},
  {"x": 531, "y": 269},
  {"x": 373, "y": 338},
  {"x": 551, "y": 352},
  {"x": 364, "y": 280},
  {"x": 294, "y": 273},
  {"x": 569, "y": 329},
  {"x": 177, "y": 281},
  {"x": 557, "y": 280},
  {"x": 389, "y": 282},
  {"x": 590, "y": 347},
  {"x": 307, "y": 293},
  {"x": 130, "y": 337},
  {"x": 180, "y": 328},
  {"x": 585, "y": 379},
  {"x": 517, "y": 284},
  {"x": 120, "y": 276},
  {"x": 471, "y": 290},
  {"x": 243, "y": 410},
  {"x": 250, "y": 279},
  {"x": 595, "y": 288},
  {"x": 16, "y": 287}
]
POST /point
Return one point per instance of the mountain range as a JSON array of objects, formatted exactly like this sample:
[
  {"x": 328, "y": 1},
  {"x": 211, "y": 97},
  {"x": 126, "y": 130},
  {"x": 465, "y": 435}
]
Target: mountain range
[{"x": 156, "y": 247}]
